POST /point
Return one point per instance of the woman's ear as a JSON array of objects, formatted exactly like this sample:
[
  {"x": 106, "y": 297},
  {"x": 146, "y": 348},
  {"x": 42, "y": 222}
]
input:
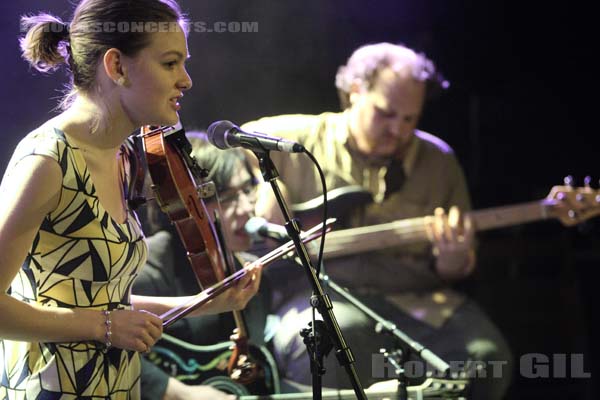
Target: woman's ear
[{"x": 113, "y": 66}]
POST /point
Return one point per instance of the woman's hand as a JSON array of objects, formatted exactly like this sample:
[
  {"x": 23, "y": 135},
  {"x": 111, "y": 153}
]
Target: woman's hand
[
  {"x": 238, "y": 296},
  {"x": 133, "y": 330}
]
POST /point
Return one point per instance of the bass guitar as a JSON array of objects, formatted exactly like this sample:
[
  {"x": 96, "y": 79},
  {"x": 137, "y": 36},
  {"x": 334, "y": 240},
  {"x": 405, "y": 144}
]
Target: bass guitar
[{"x": 570, "y": 205}]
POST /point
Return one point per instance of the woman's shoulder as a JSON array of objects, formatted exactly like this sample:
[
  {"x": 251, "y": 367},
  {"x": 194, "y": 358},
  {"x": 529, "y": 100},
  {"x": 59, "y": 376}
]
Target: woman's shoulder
[{"x": 45, "y": 140}]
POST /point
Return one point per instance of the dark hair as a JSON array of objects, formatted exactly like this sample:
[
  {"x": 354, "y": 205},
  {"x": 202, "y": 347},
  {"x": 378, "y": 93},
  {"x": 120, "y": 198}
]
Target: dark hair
[
  {"x": 367, "y": 61},
  {"x": 221, "y": 165},
  {"x": 97, "y": 26}
]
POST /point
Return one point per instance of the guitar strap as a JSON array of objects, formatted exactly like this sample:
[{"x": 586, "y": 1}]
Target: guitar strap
[{"x": 394, "y": 177}]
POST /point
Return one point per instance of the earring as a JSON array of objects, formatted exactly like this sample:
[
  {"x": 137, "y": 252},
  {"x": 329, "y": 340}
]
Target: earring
[{"x": 121, "y": 81}]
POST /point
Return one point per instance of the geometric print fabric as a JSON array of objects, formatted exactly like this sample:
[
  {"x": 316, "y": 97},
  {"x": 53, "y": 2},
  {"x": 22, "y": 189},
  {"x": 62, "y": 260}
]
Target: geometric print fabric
[{"x": 80, "y": 257}]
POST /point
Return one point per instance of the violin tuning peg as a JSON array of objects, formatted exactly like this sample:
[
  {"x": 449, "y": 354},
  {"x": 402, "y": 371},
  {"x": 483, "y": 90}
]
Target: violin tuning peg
[
  {"x": 206, "y": 190},
  {"x": 568, "y": 180}
]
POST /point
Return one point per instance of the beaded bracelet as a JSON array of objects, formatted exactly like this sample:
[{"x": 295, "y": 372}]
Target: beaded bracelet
[{"x": 108, "y": 333}]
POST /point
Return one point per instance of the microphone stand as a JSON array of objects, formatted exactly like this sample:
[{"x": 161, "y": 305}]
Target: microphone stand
[
  {"x": 408, "y": 345},
  {"x": 319, "y": 300}
]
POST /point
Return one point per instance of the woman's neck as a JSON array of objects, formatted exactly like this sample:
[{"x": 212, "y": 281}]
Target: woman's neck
[{"x": 94, "y": 128}]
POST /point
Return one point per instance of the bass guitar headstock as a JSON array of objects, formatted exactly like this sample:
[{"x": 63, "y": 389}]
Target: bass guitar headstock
[{"x": 572, "y": 205}]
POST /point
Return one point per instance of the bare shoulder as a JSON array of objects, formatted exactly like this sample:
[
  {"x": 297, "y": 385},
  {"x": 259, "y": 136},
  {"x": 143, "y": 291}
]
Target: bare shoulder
[
  {"x": 29, "y": 191},
  {"x": 31, "y": 187}
]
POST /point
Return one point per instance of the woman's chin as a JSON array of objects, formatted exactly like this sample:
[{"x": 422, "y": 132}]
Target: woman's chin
[
  {"x": 168, "y": 119},
  {"x": 171, "y": 120}
]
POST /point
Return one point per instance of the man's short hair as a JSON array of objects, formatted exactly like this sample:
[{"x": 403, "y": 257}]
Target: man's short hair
[{"x": 365, "y": 63}]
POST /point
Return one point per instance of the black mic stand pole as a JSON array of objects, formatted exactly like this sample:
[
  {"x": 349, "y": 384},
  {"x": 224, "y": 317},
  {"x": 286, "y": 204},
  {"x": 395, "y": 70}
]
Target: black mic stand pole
[
  {"x": 387, "y": 326},
  {"x": 319, "y": 299}
]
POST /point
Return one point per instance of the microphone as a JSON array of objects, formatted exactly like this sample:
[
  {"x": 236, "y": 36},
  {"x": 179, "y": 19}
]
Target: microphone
[
  {"x": 226, "y": 135},
  {"x": 257, "y": 226}
]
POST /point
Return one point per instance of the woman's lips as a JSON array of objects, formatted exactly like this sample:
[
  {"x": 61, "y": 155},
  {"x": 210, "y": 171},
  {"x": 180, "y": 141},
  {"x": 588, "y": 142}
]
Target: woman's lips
[{"x": 175, "y": 102}]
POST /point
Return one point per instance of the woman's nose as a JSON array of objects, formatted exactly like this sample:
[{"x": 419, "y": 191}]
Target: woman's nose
[{"x": 186, "y": 81}]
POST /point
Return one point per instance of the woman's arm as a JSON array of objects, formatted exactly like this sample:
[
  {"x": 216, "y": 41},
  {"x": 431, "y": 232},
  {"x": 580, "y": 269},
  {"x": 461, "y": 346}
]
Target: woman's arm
[{"x": 28, "y": 194}]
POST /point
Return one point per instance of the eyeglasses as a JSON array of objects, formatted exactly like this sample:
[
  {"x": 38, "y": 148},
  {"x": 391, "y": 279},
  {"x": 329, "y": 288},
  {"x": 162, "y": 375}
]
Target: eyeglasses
[{"x": 233, "y": 194}]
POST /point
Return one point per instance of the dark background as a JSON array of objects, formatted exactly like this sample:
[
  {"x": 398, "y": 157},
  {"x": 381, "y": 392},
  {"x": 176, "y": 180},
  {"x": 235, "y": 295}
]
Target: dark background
[{"x": 518, "y": 114}]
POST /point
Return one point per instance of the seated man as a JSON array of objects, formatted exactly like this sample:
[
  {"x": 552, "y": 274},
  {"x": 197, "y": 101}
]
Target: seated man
[
  {"x": 199, "y": 347},
  {"x": 374, "y": 143}
]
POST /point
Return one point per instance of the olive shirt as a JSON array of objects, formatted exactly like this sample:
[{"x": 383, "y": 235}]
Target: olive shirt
[{"x": 432, "y": 178}]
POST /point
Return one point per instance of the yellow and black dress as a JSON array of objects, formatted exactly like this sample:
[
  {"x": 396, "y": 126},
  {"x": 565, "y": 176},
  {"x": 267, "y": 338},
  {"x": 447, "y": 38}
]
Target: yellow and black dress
[{"x": 80, "y": 257}]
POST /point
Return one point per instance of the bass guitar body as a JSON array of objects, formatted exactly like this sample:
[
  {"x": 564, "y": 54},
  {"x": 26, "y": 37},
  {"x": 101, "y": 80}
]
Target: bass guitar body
[{"x": 341, "y": 203}]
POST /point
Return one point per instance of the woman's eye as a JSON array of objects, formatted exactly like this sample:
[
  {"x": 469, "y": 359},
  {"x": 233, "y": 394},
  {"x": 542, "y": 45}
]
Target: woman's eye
[{"x": 170, "y": 64}]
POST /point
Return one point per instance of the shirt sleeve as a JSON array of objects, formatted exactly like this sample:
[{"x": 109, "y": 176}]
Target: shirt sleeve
[
  {"x": 154, "y": 381},
  {"x": 459, "y": 192}
]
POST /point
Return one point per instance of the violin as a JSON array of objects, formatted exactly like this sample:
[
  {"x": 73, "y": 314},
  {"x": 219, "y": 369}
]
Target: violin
[{"x": 179, "y": 192}]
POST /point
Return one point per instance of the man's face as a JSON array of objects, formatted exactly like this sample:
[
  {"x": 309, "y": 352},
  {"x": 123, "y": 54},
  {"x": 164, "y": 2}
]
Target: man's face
[{"x": 383, "y": 119}]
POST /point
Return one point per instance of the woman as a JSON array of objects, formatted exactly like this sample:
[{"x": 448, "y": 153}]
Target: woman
[{"x": 70, "y": 248}]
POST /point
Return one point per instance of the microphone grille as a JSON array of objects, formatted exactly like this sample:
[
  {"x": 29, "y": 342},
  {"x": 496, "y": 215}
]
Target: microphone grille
[
  {"x": 253, "y": 225},
  {"x": 217, "y": 131}
]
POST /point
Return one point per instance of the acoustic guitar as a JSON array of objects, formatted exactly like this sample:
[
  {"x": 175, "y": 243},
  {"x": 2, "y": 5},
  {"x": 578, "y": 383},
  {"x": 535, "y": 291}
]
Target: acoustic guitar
[{"x": 207, "y": 365}]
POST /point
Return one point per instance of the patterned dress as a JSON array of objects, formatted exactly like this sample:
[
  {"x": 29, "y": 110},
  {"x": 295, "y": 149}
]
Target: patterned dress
[{"x": 80, "y": 257}]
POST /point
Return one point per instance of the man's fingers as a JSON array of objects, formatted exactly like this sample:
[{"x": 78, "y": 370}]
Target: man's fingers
[
  {"x": 469, "y": 229},
  {"x": 454, "y": 228},
  {"x": 438, "y": 225}
]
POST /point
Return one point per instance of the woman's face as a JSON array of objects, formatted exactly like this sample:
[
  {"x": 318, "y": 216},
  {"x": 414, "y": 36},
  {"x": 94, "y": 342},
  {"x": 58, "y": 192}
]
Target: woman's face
[
  {"x": 156, "y": 79},
  {"x": 237, "y": 206}
]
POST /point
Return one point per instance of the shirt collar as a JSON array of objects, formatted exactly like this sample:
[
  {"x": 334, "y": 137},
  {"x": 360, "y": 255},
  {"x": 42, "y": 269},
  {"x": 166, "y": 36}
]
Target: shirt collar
[{"x": 343, "y": 137}]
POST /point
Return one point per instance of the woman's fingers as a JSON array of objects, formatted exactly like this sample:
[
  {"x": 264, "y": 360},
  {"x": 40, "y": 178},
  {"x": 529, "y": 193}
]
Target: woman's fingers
[
  {"x": 252, "y": 277},
  {"x": 153, "y": 324},
  {"x": 135, "y": 330},
  {"x": 246, "y": 287}
]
